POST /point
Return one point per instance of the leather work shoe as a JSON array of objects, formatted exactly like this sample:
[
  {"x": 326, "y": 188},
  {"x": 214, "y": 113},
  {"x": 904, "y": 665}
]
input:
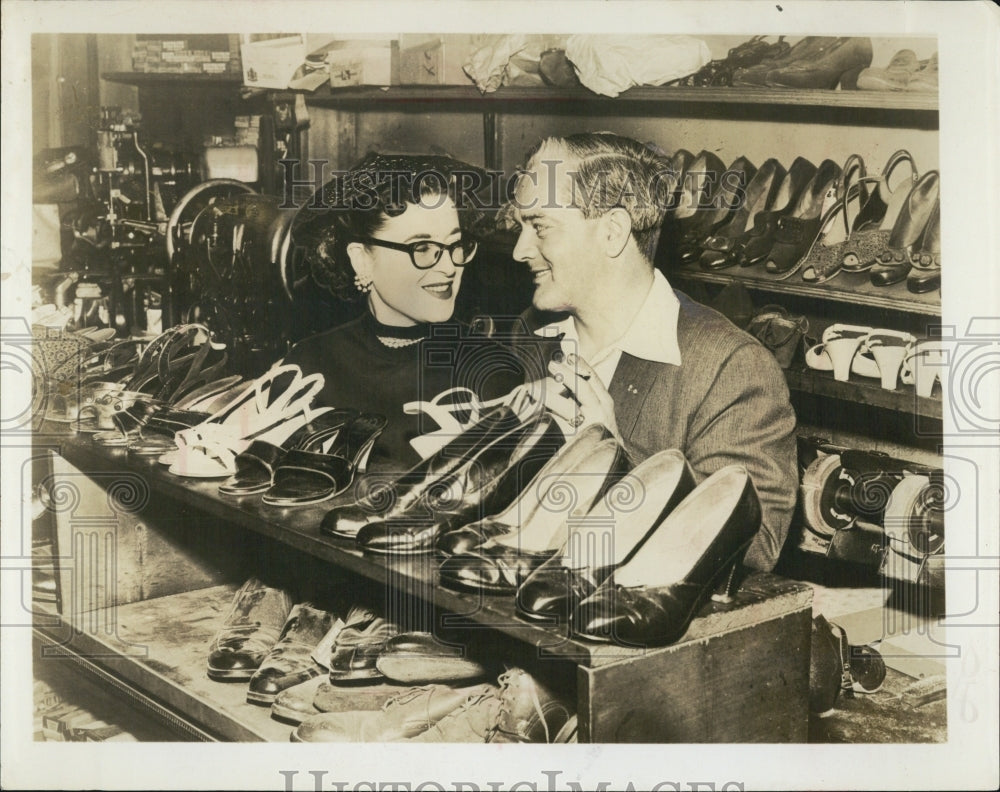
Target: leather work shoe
[
  {"x": 295, "y": 704},
  {"x": 251, "y": 628},
  {"x": 402, "y": 717},
  {"x": 290, "y": 660},
  {"x": 343, "y": 698},
  {"x": 358, "y": 646},
  {"x": 651, "y": 599},
  {"x": 417, "y": 657},
  {"x": 521, "y": 711}
]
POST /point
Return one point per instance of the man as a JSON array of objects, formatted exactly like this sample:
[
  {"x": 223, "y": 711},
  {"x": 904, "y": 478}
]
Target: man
[{"x": 660, "y": 370}]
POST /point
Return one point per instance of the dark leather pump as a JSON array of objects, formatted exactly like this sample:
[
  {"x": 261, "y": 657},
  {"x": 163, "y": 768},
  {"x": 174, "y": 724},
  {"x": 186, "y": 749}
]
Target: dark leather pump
[
  {"x": 726, "y": 196},
  {"x": 468, "y": 537},
  {"x": 385, "y": 500},
  {"x": 486, "y": 482},
  {"x": 756, "y": 243},
  {"x": 557, "y": 586},
  {"x": 757, "y": 197},
  {"x": 651, "y": 599},
  {"x": 925, "y": 274}
]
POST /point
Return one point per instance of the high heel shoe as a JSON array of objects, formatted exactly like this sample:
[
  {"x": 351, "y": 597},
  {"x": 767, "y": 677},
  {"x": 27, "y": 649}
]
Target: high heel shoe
[
  {"x": 499, "y": 565},
  {"x": 825, "y": 258},
  {"x": 760, "y": 193},
  {"x": 826, "y": 67},
  {"x": 467, "y": 537},
  {"x": 797, "y": 230},
  {"x": 325, "y": 462},
  {"x": 756, "y": 243},
  {"x": 725, "y": 197},
  {"x": 383, "y": 500},
  {"x": 925, "y": 272},
  {"x": 593, "y": 551},
  {"x": 699, "y": 183},
  {"x": 652, "y": 598},
  {"x": 837, "y": 350},
  {"x": 892, "y": 264},
  {"x": 806, "y": 48},
  {"x": 878, "y": 214},
  {"x": 488, "y": 481}
]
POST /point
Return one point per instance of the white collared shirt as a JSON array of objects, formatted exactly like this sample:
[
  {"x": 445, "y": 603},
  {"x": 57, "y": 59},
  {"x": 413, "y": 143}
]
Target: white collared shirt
[{"x": 652, "y": 335}]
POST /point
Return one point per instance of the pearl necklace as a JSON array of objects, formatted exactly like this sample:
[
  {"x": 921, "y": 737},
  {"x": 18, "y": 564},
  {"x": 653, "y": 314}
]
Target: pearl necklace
[{"x": 396, "y": 343}]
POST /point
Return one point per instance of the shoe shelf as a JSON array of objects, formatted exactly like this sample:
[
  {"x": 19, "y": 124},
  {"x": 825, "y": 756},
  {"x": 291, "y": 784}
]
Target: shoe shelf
[
  {"x": 893, "y": 108},
  {"x": 854, "y": 288},
  {"x": 155, "y": 652},
  {"x": 416, "y": 575},
  {"x": 903, "y": 399}
]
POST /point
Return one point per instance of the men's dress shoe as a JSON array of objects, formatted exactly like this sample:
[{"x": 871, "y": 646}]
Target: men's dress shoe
[
  {"x": 893, "y": 262},
  {"x": 524, "y": 508},
  {"x": 500, "y": 565},
  {"x": 418, "y": 658},
  {"x": 488, "y": 481},
  {"x": 520, "y": 711},
  {"x": 925, "y": 274},
  {"x": 562, "y": 582},
  {"x": 826, "y": 67},
  {"x": 867, "y": 669},
  {"x": 403, "y": 717},
  {"x": 358, "y": 645},
  {"x": 754, "y": 245},
  {"x": 252, "y": 626},
  {"x": 295, "y": 704},
  {"x": 381, "y": 502},
  {"x": 651, "y": 599},
  {"x": 757, "y": 197},
  {"x": 796, "y": 231},
  {"x": 290, "y": 660}
]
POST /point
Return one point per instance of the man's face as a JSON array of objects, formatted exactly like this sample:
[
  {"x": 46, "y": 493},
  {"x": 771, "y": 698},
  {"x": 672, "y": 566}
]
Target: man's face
[{"x": 557, "y": 242}]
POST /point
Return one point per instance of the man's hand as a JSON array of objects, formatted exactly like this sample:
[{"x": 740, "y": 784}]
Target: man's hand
[{"x": 574, "y": 393}]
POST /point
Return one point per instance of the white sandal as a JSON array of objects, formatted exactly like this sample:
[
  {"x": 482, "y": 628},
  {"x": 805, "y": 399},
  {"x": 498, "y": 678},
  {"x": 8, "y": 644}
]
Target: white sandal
[{"x": 209, "y": 450}]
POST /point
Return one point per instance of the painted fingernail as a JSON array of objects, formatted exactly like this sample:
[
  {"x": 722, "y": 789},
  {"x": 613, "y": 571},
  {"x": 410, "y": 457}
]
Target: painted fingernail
[
  {"x": 557, "y": 377},
  {"x": 571, "y": 358},
  {"x": 557, "y": 357}
]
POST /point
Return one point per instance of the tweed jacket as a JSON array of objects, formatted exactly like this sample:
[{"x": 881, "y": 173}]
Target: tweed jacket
[{"x": 727, "y": 403}]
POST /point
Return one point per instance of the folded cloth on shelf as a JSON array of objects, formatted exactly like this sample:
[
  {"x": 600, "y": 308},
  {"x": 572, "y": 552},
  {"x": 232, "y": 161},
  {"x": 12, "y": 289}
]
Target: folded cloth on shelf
[{"x": 609, "y": 65}]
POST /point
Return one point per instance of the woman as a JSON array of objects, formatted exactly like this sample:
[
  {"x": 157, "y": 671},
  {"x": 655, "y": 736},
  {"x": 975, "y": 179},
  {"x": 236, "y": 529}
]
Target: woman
[{"x": 397, "y": 235}]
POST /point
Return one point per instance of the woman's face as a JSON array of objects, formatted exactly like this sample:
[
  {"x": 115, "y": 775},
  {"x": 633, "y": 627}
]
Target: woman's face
[{"x": 401, "y": 294}]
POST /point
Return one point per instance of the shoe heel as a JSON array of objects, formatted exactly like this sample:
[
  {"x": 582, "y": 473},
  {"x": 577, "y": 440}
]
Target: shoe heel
[{"x": 726, "y": 591}]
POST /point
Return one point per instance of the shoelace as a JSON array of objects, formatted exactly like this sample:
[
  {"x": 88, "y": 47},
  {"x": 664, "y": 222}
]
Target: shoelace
[{"x": 505, "y": 681}]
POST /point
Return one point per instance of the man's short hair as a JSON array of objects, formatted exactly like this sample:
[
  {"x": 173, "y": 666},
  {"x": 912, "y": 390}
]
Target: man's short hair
[{"x": 610, "y": 171}]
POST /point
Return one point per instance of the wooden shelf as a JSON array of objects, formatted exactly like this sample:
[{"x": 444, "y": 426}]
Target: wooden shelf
[
  {"x": 881, "y": 108},
  {"x": 848, "y": 287},
  {"x": 861, "y": 391},
  {"x": 140, "y": 79},
  {"x": 415, "y": 575}
]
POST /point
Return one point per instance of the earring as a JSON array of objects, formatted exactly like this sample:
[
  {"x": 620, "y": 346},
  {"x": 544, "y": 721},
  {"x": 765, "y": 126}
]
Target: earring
[{"x": 363, "y": 283}]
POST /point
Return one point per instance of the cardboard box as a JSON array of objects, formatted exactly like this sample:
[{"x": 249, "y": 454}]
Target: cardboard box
[
  {"x": 363, "y": 63},
  {"x": 434, "y": 59},
  {"x": 271, "y": 63}
]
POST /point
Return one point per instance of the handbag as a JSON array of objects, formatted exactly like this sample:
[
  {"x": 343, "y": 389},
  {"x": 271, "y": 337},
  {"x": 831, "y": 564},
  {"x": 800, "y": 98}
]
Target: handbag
[{"x": 779, "y": 331}]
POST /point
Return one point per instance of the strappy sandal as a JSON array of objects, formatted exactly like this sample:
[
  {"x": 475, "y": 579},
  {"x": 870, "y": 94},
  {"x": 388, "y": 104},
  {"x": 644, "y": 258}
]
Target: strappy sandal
[
  {"x": 325, "y": 463},
  {"x": 878, "y": 215},
  {"x": 453, "y": 410},
  {"x": 267, "y": 410}
]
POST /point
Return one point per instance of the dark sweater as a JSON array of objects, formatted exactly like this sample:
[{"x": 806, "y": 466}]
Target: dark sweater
[{"x": 362, "y": 372}]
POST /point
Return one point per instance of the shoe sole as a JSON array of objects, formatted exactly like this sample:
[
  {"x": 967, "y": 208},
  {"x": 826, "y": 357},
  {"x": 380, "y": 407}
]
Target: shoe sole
[
  {"x": 227, "y": 676},
  {"x": 260, "y": 698},
  {"x": 291, "y": 715}
]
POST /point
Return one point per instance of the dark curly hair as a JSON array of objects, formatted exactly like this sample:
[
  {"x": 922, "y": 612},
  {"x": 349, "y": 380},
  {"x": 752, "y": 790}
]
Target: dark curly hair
[{"x": 355, "y": 205}]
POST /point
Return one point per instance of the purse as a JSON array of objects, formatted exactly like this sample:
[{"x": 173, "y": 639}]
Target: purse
[{"x": 779, "y": 331}]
